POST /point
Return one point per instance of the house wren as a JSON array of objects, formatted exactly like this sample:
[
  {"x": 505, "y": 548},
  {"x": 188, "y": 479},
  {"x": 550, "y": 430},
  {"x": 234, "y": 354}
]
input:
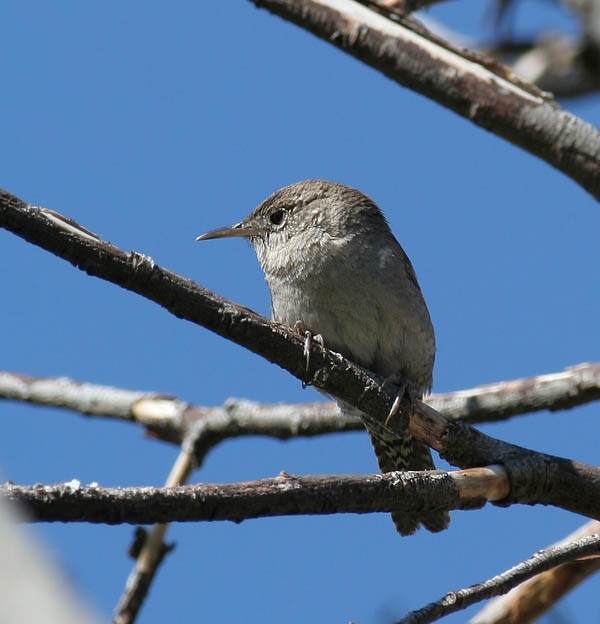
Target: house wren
[{"x": 332, "y": 263}]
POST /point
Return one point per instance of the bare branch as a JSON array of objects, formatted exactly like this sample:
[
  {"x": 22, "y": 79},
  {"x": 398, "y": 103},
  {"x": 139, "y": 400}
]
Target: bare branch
[
  {"x": 476, "y": 88},
  {"x": 535, "y": 477},
  {"x": 282, "y": 495},
  {"x": 168, "y": 417},
  {"x": 538, "y": 562},
  {"x": 499, "y": 401},
  {"x": 153, "y": 550},
  {"x": 87, "y": 398},
  {"x": 534, "y": 597}
]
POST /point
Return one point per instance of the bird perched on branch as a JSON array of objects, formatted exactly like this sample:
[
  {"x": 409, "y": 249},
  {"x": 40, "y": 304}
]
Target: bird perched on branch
[{"x": 335, "y": 269}]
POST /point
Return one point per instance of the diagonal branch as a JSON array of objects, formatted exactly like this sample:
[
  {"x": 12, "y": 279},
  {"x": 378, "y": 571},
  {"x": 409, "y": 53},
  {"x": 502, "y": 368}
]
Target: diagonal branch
[
  {"x": 538, "y": 562},
  {"x": 476, "y": 88},
  {"x": 528, "y": 601},
  {"x": 535, "y": 477}
]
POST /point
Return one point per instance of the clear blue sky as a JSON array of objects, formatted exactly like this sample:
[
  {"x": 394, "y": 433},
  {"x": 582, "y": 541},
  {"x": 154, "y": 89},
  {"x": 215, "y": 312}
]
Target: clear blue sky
[{"x": 150, "y": 123}]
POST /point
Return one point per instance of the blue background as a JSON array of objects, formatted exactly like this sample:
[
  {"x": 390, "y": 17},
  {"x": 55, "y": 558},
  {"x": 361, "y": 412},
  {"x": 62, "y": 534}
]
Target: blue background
[{"x": 150, "y": 123}]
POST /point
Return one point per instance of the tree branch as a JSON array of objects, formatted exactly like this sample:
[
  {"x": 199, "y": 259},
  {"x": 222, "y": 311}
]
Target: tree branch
[
  {"x": 538, "y": 562},
  {"x": 535, "y": 477},
  {"x": 168, "y": 418},
  {"x": 153, "y": 550},
  {"x": 526, "y": 602},
  {"x": 282, "y": 495},
  {"x": 575, "y": 385},
  {"x": 479, "y": 89},
  {"x": 501, "y": 400}
]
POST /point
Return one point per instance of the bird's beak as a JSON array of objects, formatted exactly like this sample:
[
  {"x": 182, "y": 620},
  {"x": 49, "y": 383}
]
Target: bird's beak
[{"x": 243, "y": 229}]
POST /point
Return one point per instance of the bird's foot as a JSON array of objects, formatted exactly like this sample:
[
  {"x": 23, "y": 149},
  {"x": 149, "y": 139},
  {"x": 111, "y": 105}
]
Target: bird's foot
[
  {"x": 405, "y": 390},
  {"x": 308, "y": 340}
]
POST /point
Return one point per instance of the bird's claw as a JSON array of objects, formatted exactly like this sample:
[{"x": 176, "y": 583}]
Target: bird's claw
[
  {"x": 308, "y": 340},
  {"x": 404, "y": 389},
  {"x": 393, "y": 410},
  {"x": 307, "y": 345}
]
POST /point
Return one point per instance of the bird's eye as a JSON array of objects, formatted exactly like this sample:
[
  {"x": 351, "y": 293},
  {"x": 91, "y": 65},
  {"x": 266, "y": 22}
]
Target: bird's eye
[{"x": 276, "y": 217}]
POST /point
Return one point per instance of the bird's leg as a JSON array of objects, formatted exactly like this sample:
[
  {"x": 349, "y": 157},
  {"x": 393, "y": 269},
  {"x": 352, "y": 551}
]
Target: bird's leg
[
  {"x": 308, "y": 338},
  {"x": 405, "y": 389}
]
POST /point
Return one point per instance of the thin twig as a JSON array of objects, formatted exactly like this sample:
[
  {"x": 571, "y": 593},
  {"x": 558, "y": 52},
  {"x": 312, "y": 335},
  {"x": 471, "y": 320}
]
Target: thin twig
[
  {"x": 153, "y": 551},
  {"x": 526, "y": 602},
  {"x": 538, "y": 562}
]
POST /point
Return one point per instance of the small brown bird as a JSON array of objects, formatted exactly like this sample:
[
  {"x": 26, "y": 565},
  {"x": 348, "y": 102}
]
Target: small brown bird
[{"x": 331, "y": 262}]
